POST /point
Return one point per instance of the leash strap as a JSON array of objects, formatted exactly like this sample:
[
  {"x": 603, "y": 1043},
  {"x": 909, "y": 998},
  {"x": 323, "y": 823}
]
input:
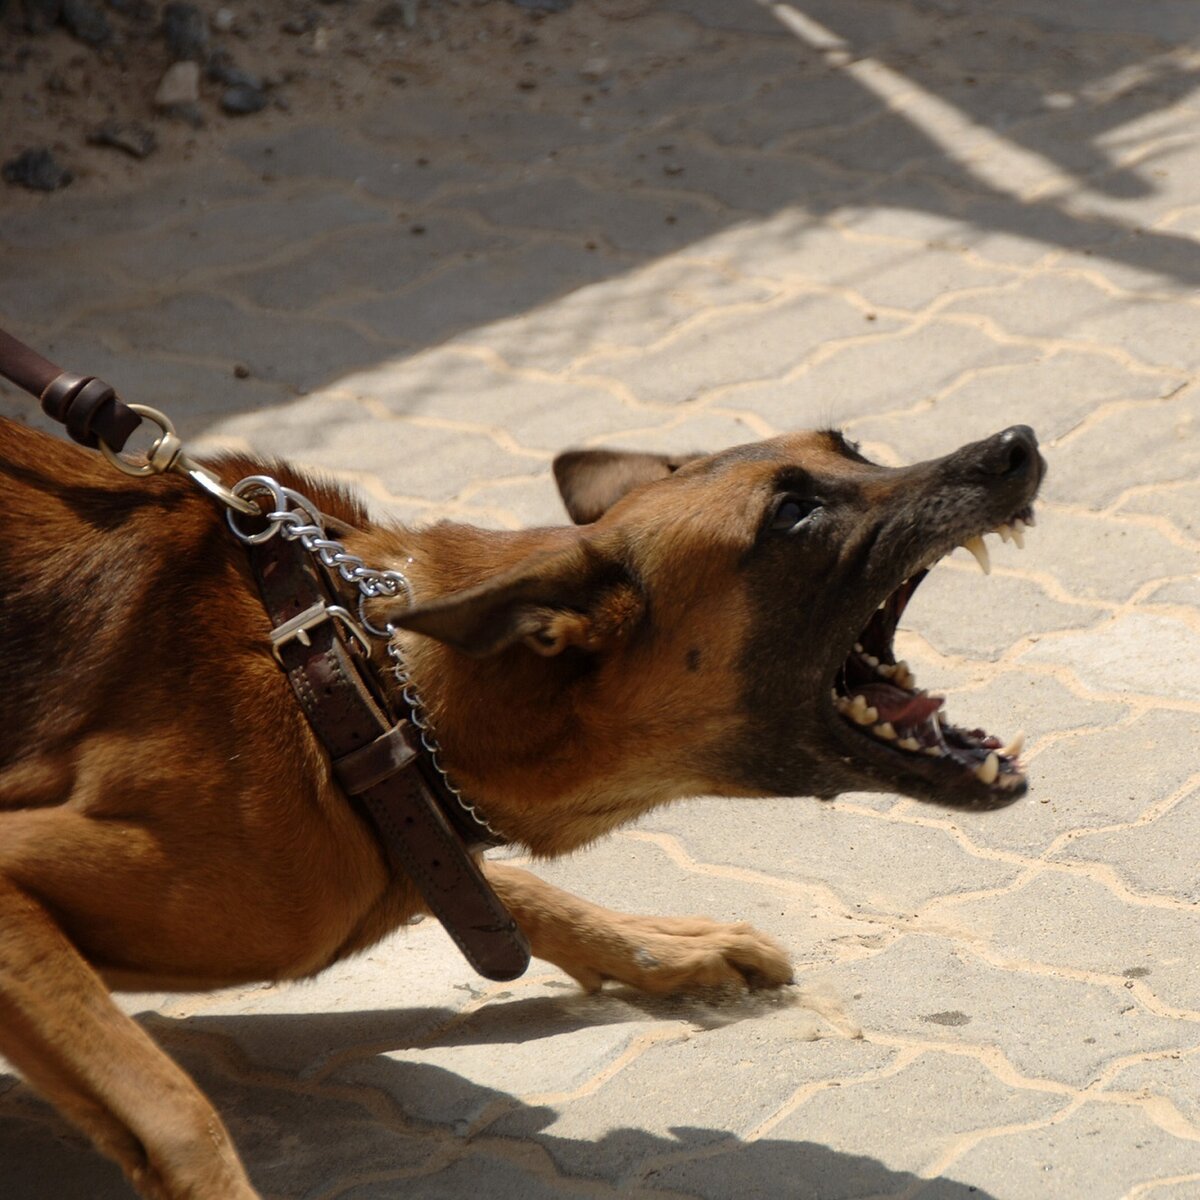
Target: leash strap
[
  {"x": 87, "y": 406},
  {"x": 379, "y": 760}
]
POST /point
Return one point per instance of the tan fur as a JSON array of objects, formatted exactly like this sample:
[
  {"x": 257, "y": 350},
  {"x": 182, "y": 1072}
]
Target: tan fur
[{"x": 168, "y": 819}]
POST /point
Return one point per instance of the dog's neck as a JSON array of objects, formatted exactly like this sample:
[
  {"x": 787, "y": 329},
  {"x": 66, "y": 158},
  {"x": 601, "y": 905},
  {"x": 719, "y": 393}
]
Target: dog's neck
[{"x": 548, "y": 769}]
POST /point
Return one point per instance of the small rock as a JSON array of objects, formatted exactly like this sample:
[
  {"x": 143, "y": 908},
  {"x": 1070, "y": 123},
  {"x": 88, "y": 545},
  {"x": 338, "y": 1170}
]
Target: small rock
[
  {"x": 186, "y": 32},
  {"x": 188, "y": 114},
  {"x": 223, "y": 20},
  {"x": 241, "y": 371},
  {"x": 41, "y": 15},
  {"x": 304, "y": 23},
  {"x": 221, "y": 69},
  {"x": 132, "y": 137},
  {"x": 179, "y": 85},
  {"x": 594, "y": 69},
  {"x": 86, "y": 21},
  {"x": 240, "y": 100},
  {"x": 36, "y": 170}
]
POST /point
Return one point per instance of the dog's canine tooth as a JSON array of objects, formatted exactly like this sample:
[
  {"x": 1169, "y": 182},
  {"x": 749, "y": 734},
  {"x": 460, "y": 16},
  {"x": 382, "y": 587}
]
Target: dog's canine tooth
[
  {"x": 976, "y": 547},
  {"x": 885, "y": 731},
  {"x": 902, "y": 676},
  {"x": 1015, "y": 746},
  {"x": 987, "y": 770},
  {"x": 1018, "y": 533}
]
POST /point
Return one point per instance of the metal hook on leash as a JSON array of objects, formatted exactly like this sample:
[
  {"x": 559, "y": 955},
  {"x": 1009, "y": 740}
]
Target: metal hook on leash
[{"x": 166, "y": 453}]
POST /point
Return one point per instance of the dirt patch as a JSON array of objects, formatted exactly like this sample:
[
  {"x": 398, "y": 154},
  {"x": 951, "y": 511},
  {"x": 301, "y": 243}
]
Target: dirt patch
[{"x": 117, "y": 89}]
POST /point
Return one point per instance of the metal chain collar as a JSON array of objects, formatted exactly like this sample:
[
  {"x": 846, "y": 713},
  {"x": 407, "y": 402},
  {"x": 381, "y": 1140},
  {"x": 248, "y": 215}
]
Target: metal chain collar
[{"x": 295, "y": 518}]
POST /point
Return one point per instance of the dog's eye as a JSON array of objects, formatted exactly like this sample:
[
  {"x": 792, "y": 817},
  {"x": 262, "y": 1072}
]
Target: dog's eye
[{"x": 790, "y": 511}]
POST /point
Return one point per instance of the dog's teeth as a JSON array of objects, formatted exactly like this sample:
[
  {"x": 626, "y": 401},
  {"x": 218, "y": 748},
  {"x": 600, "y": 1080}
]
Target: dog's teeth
[
  {"x": 909, "y": 743},
  {"x": 871, "y": 660},
  {"x": 901, "y": 675},
  {"x": 1018, "y": 533},
  {"x": 976, "y": 547},
  {"x": 1014, "y": 747},
  {"x": 933, "y": 751},
  {"x": 1005, "y": 532},
  {"x": 987, "y": 770},
  {"x": 858, "y": 648},
  {"x": 885, "y": 731},
  {"x": 887, "y": 670}
]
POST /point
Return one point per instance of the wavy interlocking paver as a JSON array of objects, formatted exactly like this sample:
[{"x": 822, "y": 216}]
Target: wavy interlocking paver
[{"x": 695, "y": 223}]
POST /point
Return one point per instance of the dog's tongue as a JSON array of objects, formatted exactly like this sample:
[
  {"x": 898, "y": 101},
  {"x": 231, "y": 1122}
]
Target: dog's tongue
[{"x": 898, "y": 705}]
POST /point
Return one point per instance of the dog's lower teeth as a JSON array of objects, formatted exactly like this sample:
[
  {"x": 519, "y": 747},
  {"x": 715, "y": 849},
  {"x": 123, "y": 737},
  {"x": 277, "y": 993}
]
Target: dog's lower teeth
[
  {"x": 885, "y": 731},
  {"x": 933, "y": 751},
  {"x": 987, "y": 770},
  {"x": 1018, "y": 533},
  {"x": 909, "y": 743}
]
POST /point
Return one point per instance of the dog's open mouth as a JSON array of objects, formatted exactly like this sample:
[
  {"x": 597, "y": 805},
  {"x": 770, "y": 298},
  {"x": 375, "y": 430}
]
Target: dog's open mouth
[{"x": 878, "y": 698}]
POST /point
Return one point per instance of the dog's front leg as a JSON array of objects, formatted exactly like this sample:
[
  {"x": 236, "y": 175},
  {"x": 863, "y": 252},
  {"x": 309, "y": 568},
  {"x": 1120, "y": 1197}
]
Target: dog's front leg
[
  {"x": 60, "y": 1028},
  {"x": 655, "y": 954}
]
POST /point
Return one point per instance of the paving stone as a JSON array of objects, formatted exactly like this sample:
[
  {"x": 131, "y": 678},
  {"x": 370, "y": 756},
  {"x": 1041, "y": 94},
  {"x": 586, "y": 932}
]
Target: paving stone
[
  {"x": 629, "y": 310},
  {"x": 1092, "y": 779},
  {"x": 941, "y": 611},
  {"x": 703, "y": 1092},
  {"x": 407, "y": 460},
  {"x": 1170, "y": 1077},
  {"x": 233, "y": 235},
  {"x": 1072, "y": 922},
  {"x": 754, "y": 344},
  {"x": 473, "y": 292},
  {"x": 1157, "y": 858},
  {"x": 779, "y": 109},
  {"x": 410, "y": 173},
  {"x": 627, "y": 219},
  {"x": 1126, "y": 448},
  {"x": 873, "y": 864},
  {"x": 1066, "y": 1031},
  {"x": 300, "y": 353},
  {"x": 1156, "y": 332},
  {"x": 1183, "y": 592},
  {"x": 1140, "y": 652},
  {"x": 994, "y": 398},
  {"x": 874, "y": 375},
  {"x": 365, "y": 262},
  {"x": 1179, "y": 504},
  {"x": 1098, "y": 558},
  {"x": 928, "y": 1106},
  {"x": 1063, "y": 1158}
]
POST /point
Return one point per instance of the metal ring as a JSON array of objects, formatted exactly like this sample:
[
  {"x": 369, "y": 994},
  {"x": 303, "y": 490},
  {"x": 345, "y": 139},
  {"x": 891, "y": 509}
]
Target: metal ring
[
  {"x": 163, "y": 450},
  {"x": 385, "y": 633},
  {"x": 257, "y": 485}
]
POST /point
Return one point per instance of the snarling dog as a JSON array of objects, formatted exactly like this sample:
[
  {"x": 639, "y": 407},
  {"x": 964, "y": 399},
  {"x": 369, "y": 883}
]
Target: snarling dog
[{"x": 711, "y": 625}]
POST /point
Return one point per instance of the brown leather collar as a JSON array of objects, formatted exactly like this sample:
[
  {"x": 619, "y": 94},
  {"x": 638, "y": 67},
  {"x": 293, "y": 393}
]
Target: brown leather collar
[{"x": 378, "y": 760}]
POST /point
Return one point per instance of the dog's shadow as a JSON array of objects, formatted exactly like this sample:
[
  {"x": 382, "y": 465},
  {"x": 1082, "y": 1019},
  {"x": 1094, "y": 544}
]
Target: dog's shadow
[{"x": 319, "y": 1108}]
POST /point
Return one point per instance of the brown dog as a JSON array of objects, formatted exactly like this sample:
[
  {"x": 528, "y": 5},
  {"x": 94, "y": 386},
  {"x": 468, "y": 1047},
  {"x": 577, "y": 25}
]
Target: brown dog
[{"x": 722, "y": 625}]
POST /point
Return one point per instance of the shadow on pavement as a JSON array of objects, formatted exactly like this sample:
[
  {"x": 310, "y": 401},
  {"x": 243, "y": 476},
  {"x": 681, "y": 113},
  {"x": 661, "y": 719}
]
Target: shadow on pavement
[{"x": 381, "y": 1128}]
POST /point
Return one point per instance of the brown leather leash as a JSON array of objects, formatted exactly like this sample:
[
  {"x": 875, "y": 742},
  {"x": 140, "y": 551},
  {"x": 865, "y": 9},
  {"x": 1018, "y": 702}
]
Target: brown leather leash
[{"x": 381, "y": 762}]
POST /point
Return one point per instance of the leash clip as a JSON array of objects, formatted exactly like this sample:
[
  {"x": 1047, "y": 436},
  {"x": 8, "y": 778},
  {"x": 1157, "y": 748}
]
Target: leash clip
[{"x": 166, "y": 453}]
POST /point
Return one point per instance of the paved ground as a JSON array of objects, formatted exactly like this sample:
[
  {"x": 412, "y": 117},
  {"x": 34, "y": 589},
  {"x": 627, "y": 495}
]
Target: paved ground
[{"x": 922, "y": 220}]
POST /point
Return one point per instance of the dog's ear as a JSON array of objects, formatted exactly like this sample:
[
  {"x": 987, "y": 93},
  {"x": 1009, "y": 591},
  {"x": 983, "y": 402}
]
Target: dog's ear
[
  {"x": 581, "y": 596},
  {"x": 592, "y": 481}
]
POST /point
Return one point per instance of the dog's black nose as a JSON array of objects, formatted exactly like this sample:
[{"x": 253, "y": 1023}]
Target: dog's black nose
[{"x": 1010, "y": 453}]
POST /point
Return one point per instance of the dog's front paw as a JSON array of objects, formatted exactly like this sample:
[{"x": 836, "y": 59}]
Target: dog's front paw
[{"x": 672, "y": 954}]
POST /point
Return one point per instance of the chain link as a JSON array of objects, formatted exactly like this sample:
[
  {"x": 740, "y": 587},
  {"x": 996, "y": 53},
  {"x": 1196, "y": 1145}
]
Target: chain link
[{"x": 296, "y": 519}]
